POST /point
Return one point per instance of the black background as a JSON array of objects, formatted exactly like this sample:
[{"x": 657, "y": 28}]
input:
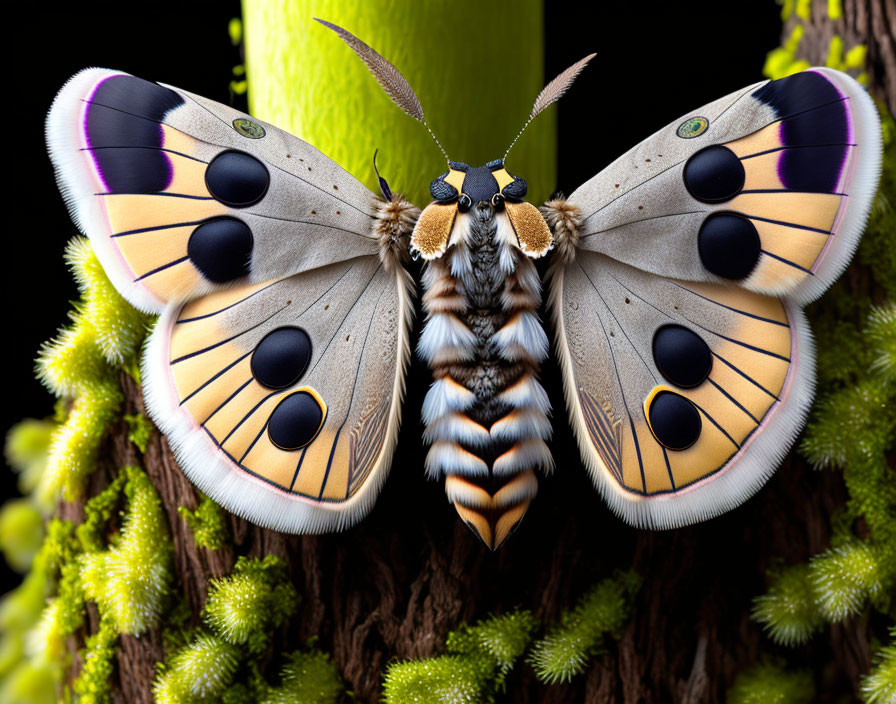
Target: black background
[{"x": 654, "y": 63}]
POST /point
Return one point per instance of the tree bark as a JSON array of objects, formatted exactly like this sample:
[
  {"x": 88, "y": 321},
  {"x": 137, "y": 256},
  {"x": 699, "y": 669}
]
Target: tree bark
[{"x": 395, "y": 585}]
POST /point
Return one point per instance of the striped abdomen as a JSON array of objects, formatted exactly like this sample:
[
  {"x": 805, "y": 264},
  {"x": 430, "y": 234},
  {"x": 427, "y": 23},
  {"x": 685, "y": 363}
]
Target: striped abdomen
[{"x": 486, "y": 413}]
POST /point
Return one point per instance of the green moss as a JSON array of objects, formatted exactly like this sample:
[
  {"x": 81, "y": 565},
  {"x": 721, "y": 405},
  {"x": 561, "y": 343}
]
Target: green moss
[
  {"x": 131, "y": 579},
  {"x": 208, "y": 523},
  {"x": 26, "y": 449},
  {"x": 245, "y": 607},
  {"x": 21, "y": 533},
  {"x": 879, "y": 687},
  {"x": 198, "y": 672},
  {"x": 93, "y": 684},
  {"x": 771, "y": 683},
  {"x": 29, "y": 683},
  {"x": 140, "y": 429},
  {"x": 307, "y": 678},
  {"x": 565, "y": 650},
  {"x": 118, "y": 327}
]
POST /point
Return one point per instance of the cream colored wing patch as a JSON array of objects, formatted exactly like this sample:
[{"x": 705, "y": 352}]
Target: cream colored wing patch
[
  {"x": 282, "y": 399},
  {"x": 182, "y": 196},
  {"x": 769, "y": 188},
  {"x": 684, "y": 396}
]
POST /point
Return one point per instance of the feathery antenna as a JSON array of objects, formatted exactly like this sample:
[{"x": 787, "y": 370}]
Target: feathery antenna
[
  {"x": 552, "y": 92},
  {"x": 390, "y": 79}
]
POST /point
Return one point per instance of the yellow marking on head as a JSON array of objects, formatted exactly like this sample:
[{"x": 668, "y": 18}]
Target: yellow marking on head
[
  {"x": 503, "y": 178},
  {"x": 532, "y": 232},
  {"x": 455, "y": 178}
]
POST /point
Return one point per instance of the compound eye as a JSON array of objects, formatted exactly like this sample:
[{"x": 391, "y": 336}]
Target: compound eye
[
  {"x": 441, "y": 191},
  {"x": 464, "y": 203},
  {"x": 498, "y": 201},
  {"x": 515, "y": 190}
]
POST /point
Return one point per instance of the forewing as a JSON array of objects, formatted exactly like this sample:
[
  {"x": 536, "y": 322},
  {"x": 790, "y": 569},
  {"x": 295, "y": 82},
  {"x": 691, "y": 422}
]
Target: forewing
[
  {"x": 281, "y": 400},
  {"x": 683, "y": 396},
  {"x": 769, "y": 188},
  {"x": 182, "y": 196}
]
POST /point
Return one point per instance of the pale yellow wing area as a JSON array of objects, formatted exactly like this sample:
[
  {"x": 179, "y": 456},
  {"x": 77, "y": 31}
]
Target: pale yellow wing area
[
  {"x": 683, "y": 396},
  {"x": 768, "y": 188},
  {"x": 182, "y": 196},
  {"x": 281, "y": 399}
]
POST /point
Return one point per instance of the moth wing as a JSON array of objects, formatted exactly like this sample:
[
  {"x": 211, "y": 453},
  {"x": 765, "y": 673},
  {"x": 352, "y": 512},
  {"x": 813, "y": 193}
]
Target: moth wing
[
  {"x": 684, "y": 396},
  {"x": 182, "y": 196},
  {"x": 277, "y": 366},
  {"x": 769, "y": 188},
  {"x": 282, "y": 400},
  {"x": 688, "y": 366}
]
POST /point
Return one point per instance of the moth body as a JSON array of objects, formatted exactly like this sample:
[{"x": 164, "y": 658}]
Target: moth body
[
  {"x": 486, "y": 413},
  {"x": 277, "y": 366}
]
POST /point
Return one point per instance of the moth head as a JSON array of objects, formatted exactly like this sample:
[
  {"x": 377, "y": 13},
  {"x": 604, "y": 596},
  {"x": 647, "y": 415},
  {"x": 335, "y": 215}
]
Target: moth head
[{"x": 467, "y": 186}]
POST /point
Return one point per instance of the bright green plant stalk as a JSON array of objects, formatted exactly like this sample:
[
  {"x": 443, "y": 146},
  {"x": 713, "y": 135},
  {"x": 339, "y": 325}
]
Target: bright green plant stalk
[{"x": 475, "y": 84}]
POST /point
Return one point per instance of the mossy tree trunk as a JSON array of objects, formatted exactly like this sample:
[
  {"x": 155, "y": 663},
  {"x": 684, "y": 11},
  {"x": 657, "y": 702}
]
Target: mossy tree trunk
[{"x": 394, "y": 586}]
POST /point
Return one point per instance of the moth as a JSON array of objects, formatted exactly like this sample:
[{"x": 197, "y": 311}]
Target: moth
[{"x": 676, "y": 283}]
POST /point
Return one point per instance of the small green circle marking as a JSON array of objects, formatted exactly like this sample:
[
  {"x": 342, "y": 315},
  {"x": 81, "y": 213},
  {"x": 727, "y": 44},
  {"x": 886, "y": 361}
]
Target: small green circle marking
[
  {"x": 248, "y": 128},
  {"x": 693, "y": 127}
]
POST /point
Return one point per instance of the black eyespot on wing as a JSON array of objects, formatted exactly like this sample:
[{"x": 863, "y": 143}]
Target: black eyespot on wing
[
  {"x": 442, "y": 191},
  {"x": 798, "y": 93},
  {"x": 714, "y": 174},
  {"x": 682, "y": 356},
  {"x": 124, "y": 136},
  {"x": 729, "y": 245},
  {"x": 221, "y": 249},
  {"x": 674, "y": 420},
  {"x": 295, "y": 421},
  {"x": 281, "y": 357},
  {"x": 237, "y": 179}
]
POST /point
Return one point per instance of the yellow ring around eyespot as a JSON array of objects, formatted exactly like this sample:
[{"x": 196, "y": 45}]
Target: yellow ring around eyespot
[
  {"x": 647, "y": 401},
  {"x": 323, "y": 417},
  {"x": 455, "y": 178}
]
